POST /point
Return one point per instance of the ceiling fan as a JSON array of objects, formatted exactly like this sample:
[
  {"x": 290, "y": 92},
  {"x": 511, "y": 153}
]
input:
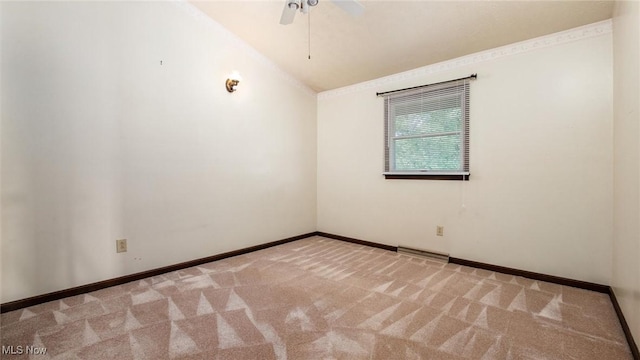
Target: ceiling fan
[{"x": 352, "y": 7}]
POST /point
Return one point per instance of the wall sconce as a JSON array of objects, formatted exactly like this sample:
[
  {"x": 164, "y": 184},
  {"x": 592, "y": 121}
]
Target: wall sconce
[{"x": 232, "y": 82}]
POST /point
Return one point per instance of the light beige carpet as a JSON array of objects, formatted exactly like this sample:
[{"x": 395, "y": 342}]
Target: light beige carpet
[{"x": 322, "y": 299}]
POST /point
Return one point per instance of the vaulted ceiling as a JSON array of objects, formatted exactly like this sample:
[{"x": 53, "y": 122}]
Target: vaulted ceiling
[{"x": 391, "y": 36}]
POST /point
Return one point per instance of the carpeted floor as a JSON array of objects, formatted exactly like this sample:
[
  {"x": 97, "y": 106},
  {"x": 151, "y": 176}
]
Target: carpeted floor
[{"x": 322, "y": 299}]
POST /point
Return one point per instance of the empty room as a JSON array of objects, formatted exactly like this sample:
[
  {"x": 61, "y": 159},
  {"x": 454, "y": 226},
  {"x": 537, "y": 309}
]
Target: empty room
[{"x": 332, "y": 179}]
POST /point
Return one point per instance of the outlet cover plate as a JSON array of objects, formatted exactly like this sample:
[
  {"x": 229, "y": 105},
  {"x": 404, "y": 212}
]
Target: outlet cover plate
[{"x": 121, "y": 245}]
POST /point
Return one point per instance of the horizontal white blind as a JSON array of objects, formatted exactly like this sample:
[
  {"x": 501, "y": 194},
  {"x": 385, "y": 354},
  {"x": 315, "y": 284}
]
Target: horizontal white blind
[{"x": 426, "y": 129}]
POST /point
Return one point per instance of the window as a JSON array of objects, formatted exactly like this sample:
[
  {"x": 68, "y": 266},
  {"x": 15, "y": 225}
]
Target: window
[{"x": 427, "y": 132}]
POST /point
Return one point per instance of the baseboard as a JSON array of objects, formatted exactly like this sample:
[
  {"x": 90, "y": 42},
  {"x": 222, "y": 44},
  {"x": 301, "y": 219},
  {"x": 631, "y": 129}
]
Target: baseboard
[
  {"x": 625, "y": 327},
  {"x": 533, "y": 275},
  {"x": 61, "y": 294},
  {"x": 357, "y": 241}
]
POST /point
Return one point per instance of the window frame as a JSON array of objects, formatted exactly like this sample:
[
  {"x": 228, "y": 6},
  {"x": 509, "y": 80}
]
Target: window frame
[{"x": 452, "y": 89}]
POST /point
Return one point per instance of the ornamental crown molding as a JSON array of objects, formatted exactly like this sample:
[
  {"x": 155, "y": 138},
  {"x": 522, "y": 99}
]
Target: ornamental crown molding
[{"x": 559, "y": 38}]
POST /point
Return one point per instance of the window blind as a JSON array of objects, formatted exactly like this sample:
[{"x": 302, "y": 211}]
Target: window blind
[{"x": 427, "y": 129}]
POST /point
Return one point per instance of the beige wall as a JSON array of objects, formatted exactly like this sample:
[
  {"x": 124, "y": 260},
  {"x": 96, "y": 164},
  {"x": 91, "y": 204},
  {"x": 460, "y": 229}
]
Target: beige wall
[
  {"x": 626, "y": 91},
  {"x": 539, "y": 197},
  {"x": 101, "y": 142}
]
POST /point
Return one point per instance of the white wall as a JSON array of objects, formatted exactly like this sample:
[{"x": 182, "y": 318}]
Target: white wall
[
  {"x": 540, "y": 194},
  {"x": 626, "y": 91},
  {"x": 101, "y": 142}
]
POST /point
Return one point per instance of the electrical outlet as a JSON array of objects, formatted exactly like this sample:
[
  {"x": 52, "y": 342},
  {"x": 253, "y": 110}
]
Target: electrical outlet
[
  {"x": 440, "y": 230},
  {"x": 121, "y": 245}
]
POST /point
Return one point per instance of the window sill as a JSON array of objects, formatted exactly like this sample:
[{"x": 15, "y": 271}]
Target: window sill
[{"x": 426, "y": 176}]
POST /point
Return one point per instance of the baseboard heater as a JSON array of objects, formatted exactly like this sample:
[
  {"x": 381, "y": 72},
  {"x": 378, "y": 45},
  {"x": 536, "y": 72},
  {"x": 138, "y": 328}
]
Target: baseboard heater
[{"x": 424, "y": 253}]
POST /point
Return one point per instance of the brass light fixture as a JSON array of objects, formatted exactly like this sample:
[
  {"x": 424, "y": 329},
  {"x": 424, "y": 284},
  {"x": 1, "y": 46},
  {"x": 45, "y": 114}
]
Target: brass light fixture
[{"x": 232, "y": 82}]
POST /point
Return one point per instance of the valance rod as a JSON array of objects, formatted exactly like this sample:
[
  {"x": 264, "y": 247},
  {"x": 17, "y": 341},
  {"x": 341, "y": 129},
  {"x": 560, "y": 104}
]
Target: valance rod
[{"x": 472, "y": 76}]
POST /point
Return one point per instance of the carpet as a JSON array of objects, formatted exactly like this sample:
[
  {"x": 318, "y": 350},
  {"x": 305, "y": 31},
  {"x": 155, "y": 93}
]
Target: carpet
[{"x": 320, "y": 298}]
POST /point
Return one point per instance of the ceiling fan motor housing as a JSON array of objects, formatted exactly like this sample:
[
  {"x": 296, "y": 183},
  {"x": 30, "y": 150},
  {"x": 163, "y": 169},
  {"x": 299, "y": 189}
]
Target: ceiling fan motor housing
[
  {"x": 352, "y": 7},
  {"x": 294, "y": 4}
]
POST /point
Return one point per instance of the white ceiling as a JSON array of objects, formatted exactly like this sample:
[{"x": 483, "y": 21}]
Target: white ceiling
[{"x": 392, "y": 36}]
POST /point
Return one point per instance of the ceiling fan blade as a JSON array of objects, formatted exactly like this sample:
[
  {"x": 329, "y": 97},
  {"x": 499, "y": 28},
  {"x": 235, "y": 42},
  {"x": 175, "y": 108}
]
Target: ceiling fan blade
[
  {"x": 352, "y": 7},
  {"x": 288, "y": 14}
]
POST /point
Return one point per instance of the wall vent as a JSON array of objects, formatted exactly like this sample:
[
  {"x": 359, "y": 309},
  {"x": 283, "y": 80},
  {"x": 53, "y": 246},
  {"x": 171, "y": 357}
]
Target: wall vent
[{"x": 432, "y": 255}]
